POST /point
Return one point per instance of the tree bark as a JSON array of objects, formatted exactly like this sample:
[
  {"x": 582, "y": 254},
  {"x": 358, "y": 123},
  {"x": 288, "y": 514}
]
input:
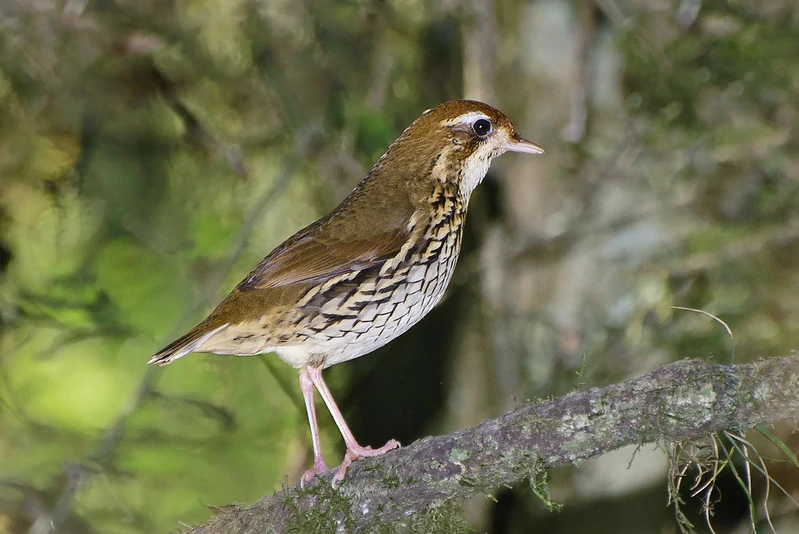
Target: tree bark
[{"x": 680, "y": 401}]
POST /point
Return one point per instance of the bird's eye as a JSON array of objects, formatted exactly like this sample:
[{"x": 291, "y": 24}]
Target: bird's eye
[{"x": 482, "y": 127}]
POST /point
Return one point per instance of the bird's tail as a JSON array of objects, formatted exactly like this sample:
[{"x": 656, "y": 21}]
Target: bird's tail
[{"x": 190, "y": 342}]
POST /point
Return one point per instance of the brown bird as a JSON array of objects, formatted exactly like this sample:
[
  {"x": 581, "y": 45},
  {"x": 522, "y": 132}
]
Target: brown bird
[{"x": 367, "y": 271}]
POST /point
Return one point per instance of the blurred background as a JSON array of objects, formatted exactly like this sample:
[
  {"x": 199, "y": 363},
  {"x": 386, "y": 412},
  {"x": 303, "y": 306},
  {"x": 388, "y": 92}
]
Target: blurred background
[{"x": 152, "y": 152}]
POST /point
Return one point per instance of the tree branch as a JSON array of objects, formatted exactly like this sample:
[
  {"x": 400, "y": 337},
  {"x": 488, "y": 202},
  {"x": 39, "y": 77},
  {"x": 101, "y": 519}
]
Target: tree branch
[{"x": 680, "y": 401}]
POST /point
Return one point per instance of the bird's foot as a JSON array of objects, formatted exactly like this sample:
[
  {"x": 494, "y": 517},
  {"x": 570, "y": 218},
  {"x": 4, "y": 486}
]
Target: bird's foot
[
  {"x": 319, "y": 467},
  {"x": 356, "y": 451}
]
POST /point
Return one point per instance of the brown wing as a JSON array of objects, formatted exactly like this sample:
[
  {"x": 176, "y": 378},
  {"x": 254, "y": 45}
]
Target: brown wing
[
  {"x": 314, "y": 259},
  {"x": 306, "y": 257}
]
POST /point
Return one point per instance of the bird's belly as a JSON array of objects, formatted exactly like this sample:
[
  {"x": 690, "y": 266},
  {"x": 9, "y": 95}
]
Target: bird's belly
[
  {"x": 364, "y": 320},
  {"x": 379, "y": 324}
]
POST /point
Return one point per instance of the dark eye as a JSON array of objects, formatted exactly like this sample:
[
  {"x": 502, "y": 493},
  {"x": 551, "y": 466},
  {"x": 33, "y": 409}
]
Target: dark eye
[{"x": 482, "y": 127}]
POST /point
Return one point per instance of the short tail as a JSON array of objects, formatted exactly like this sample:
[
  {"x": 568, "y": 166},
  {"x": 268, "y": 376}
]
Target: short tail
[{"x": 191, "y": 342}]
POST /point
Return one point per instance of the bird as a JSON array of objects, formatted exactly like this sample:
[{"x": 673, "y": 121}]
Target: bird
[{"x": 369, "y": 270}]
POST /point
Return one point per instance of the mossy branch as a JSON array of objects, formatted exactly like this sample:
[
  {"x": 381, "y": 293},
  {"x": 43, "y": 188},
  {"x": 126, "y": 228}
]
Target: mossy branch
[{"x": 684, "y": 400}]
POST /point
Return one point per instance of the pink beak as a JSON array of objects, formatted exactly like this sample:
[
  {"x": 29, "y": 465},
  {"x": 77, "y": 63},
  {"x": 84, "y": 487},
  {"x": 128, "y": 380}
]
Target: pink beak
[{"x": 520, "y": 145}]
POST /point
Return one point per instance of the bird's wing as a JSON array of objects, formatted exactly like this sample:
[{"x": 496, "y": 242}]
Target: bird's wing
[{"x": 311, "y": 258}]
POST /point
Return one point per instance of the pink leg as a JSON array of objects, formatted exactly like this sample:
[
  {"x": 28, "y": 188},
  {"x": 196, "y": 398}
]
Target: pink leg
[
  {"x": 307, "y": 394},
  {"x": 354, "y": 450}
]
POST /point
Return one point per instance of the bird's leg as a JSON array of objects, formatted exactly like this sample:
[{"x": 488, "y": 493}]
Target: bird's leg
[
  {"x": 319, "y": 466},
  {"x": 354, "y": 450}
]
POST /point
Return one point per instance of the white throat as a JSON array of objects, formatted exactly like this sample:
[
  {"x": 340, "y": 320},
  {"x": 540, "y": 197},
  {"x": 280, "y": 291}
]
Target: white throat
[{"x": 473, "y": 173}]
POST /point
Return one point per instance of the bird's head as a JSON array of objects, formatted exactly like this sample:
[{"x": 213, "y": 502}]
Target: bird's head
[{"x": 456, "y": 141}]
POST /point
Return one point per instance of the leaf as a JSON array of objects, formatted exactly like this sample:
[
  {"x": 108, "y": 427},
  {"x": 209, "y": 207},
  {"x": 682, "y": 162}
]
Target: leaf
[{"x": 779, "y": 444}]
